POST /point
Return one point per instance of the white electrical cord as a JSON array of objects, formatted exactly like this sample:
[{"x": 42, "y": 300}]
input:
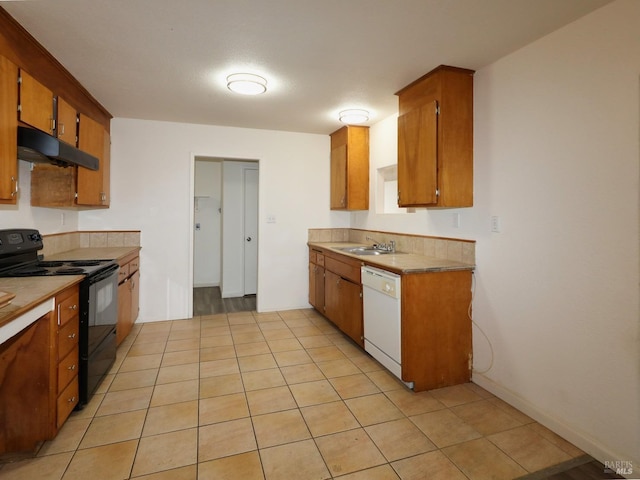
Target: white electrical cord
[{"x": 473, "y": 293}]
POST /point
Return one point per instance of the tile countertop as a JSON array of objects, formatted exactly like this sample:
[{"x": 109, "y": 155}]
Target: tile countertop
[
  {"x": 397, "y": 262},
  {"x": 31, "y": 291},
  {"x": 94, "y": 253}
]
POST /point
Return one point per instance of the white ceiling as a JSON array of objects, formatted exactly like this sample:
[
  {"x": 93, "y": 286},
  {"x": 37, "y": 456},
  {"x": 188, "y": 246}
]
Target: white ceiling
[{"x": 167, "y": 59}]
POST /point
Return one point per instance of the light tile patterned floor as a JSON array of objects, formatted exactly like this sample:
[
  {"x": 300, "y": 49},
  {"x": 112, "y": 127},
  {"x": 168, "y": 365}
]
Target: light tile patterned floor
[{"x": 281, "y": 396}]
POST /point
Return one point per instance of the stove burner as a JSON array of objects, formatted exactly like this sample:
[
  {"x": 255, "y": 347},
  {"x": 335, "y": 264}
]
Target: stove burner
[
  {"x": 50, "y": 264},
  {"x": 31, "y": 272},
  {"x": 69, "y": 271},
  {"x": 84, "y": 263}
]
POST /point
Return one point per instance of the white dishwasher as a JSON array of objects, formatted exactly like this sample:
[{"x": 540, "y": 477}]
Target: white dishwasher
[{"x": 381, "y": 311}]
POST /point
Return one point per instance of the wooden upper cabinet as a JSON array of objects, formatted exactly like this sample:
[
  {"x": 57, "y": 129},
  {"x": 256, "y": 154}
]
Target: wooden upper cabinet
[
  {"x": 435, "y": 140},
  {"x": 67, "y": 122},
  {"x": 8, "y": 132},
  {"x": 418, "y": 156},
  {"x": 36, "y": 104},
  {"x": 93, "y": 184},
  {"x": 350, "y": 168}
]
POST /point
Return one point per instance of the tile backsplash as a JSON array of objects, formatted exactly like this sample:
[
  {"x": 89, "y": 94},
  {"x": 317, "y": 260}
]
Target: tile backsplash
[
  {"x": 62, "y": 242},
  {"x": 454, "y": 249}
]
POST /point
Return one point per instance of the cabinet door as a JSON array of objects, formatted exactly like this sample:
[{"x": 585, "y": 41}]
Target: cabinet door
[
  {"x": 332, "y": 297},
  {"x": 124, "y": 311},
  {"x": 67, "y": 122},
  {"x": 351, "y": 310},
  {"x": 418, "y": 156},
  {"x": 36, "y": 104},
  {"x": 90, "y": 183},
  {"x": 316, "y": 286},
  {"x": 134, "y": 285},
  {"x": 8, "y": 132},
  {"x": 339, "y": 178},
  {"x": 343, "y": 305}
]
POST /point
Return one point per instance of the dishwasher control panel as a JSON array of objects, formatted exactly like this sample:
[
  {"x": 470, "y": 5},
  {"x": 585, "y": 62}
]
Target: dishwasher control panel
[{"x": 381, "y": 281}]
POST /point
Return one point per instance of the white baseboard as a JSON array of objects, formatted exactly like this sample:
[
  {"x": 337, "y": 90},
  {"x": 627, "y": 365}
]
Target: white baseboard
[{"x": 580, "y": 439}]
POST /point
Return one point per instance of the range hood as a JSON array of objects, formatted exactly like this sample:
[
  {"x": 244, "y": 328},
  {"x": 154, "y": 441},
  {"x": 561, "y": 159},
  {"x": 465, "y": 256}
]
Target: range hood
[{"x": 39, "y": 147}]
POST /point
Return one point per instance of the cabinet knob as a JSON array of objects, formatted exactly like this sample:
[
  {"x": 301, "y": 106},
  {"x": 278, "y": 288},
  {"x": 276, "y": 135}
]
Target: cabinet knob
[
  {"x": 72, "y": 399},
  {"x": 73, "y": 307},
  {"x": 72, "y": 336},
  {"x": 71, "y": 367}
]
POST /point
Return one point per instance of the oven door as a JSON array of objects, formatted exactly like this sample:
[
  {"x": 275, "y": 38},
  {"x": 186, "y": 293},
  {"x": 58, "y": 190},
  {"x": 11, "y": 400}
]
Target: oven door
[{"x": 99, "y": 298}]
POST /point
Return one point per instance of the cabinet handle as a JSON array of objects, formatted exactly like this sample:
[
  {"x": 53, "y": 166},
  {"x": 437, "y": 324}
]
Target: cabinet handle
[
  {"x": 71, "y": 367},
  {"x": 72, "y": 336},
  {"x": 15, "y": 190},
  {"x": 72, "y": 399},
  {"x": 73, "y": 307},
  {"x": 59, "y": 314}
]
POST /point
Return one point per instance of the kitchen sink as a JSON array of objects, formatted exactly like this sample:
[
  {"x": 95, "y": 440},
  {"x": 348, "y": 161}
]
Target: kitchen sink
[{"x": 365, "y": 251}]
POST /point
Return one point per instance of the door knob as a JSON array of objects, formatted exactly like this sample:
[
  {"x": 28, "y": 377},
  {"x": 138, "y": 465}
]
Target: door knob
[{"x": 248, "y": 239}]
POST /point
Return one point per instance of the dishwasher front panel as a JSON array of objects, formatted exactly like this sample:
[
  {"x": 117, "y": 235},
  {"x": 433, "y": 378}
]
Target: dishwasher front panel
[{"x": 381, "y": 311}]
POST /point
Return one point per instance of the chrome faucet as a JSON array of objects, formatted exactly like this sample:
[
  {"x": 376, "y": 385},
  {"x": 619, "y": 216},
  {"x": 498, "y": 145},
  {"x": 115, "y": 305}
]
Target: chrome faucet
[{"x": 390, "y": 247}]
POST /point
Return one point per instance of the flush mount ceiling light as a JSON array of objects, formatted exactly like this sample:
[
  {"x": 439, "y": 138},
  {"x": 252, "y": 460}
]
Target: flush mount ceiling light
[
  {"x": 353, "y": 116},
  {"x": 246, "y": 83}
]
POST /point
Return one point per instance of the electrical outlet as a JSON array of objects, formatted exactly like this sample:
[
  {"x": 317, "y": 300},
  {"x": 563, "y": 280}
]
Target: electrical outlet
[{"x": 496, "y": 224}]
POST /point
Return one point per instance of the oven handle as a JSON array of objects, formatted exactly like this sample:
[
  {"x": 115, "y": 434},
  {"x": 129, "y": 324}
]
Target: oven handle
[{"x": 102, "y": 274}]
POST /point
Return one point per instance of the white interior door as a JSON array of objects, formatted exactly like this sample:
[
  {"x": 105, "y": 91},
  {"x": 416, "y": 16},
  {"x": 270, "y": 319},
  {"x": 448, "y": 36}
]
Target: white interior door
[{"x": 250, "y": 231}]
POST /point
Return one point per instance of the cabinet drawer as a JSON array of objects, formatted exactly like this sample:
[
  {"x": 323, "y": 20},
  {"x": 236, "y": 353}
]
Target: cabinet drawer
[
  {"x": 123, "y": 272},
  {"x": 67, "y": 401},
  {"x": 67, "y": 338},
  {"x": 68, "y": 307},
  {"x": 346, "y": 270},
  {"x": 67, "y": 369}
]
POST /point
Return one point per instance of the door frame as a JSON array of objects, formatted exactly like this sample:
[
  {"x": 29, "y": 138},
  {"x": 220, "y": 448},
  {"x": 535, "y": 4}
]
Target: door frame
[{"x": 191, "y": 215}]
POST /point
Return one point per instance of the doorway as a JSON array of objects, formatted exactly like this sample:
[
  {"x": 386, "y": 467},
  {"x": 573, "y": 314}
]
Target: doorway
[{"x": 225, "y": 235}]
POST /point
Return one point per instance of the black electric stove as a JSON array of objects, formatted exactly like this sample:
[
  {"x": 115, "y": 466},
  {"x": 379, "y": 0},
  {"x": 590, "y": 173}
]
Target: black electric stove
[
  {"x": 19, "y": 258},
  {"x": 98, "y": 300}
]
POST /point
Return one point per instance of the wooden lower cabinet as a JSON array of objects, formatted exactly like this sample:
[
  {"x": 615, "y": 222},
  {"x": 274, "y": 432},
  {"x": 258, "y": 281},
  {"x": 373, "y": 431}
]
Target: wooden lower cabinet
[
  {"x": 39, "y": 377},
  {"x": 343, "y": 305},
  {"x": 316, "y": 280},
  {"x": 336, "y": 292},
  {"x": 436, "y": 329},
  {"x": 26, "y": 389},
  {"x": 436, "y": 347},
  {"x": 128, "y": 296},
  {"x": 66, "y": 347}
]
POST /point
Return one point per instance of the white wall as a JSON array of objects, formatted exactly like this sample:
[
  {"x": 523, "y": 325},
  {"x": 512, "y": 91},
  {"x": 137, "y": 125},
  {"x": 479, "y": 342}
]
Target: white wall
[
  {"x": 207, "y": 239},
  {"x": 556, "y": 149},
  {"x": 152, "y": 190}
]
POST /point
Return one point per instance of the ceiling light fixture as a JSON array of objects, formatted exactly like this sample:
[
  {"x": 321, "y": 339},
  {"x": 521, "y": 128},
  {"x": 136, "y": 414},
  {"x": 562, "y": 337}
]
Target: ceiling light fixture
[
  {"x": 353, "y": 116},
  {"x": 246, "y": 83}
]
